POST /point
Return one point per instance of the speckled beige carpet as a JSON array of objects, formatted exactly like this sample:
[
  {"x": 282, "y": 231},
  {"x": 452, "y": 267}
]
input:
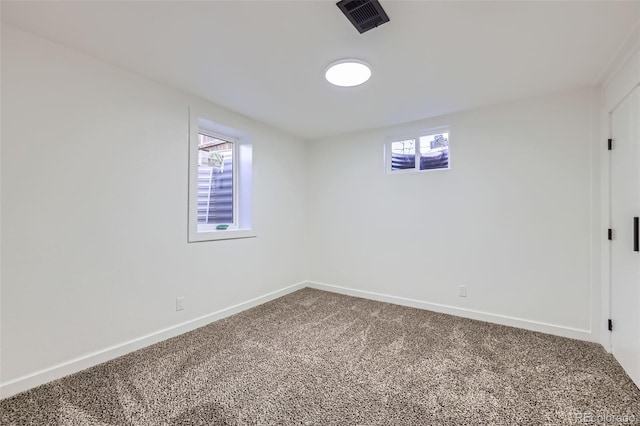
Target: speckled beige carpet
[{"x": 318, "y": 358}]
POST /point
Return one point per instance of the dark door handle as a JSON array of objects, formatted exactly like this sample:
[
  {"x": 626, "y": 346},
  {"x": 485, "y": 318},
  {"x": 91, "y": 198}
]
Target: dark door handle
[{"x": 636, "y": 238}]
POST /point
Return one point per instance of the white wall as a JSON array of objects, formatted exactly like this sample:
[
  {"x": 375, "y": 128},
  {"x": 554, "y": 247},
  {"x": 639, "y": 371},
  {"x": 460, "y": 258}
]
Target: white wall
[
  {"x": 94, "y": 219},
  {"x": 511, "y": 219},
  {"x": 94, "y": 215}
]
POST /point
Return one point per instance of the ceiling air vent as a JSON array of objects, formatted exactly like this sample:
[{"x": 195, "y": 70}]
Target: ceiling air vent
[{"x": 363, "y": 14}]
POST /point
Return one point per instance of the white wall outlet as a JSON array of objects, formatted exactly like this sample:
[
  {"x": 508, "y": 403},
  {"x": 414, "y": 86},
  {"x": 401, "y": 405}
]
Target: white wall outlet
[
  {"x": 462, "y": 290},
  {"x": 179, "y": 303}
]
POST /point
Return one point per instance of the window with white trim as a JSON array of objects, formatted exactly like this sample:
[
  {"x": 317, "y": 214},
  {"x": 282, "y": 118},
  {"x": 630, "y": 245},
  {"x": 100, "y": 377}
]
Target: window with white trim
[
  {"x": 216, "y": 182},
  {"x": 428, "y": 150},
  {"x": 220, "y": 170}
]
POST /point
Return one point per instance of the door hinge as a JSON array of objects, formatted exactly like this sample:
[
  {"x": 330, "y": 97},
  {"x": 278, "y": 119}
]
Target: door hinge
[
  {"x": 609, "y": 144},
  {"x": 610, "y": 325},
  {"x": 610, "y": 234}
]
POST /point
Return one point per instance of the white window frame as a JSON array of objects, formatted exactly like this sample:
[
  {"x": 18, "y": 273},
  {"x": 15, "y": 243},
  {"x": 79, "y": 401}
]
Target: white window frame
[
  {"x": 416, "y": 135},
  {"x": 200, "y": 123},
  {"x": 234, "y": 179}
]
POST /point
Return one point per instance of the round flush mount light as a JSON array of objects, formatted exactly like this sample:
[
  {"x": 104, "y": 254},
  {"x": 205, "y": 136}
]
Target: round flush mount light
[{"x": 348, "y": 73}]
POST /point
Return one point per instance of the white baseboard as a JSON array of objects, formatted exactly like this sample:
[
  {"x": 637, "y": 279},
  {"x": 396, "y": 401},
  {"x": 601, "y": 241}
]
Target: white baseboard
[
  {"x": 556, "y": 330},
  {"x": 75, "y": 365}
]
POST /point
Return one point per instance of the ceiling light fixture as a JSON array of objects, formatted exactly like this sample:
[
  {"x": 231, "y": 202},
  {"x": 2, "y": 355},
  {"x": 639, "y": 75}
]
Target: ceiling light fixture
[{"x": 348, "y": 73}]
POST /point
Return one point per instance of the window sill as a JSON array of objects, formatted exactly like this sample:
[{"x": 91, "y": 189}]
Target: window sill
[
  {"x": 405, "y": 171},
  {"x": 227, "y": 234}
]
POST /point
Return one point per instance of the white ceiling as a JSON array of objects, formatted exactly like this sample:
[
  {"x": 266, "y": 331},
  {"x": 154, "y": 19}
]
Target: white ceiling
[{"x": 266, "y": 59}]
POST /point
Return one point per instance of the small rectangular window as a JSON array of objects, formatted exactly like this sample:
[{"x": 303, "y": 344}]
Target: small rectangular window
[
  {"x": 216, "y": 178},
  {"x": 220, "y": 170},
  {"x": 425, "y": 151},
  {"x": 403, "y": 155}
]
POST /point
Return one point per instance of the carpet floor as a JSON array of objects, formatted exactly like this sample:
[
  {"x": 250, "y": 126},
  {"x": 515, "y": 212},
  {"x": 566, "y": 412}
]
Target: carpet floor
[{"x": 319, "y": 358}]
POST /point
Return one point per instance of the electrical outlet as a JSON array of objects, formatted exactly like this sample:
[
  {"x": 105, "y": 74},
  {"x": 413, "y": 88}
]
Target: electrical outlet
[
  {"x": 462, "y": 290},
  {"x": 179, "y": 303}
]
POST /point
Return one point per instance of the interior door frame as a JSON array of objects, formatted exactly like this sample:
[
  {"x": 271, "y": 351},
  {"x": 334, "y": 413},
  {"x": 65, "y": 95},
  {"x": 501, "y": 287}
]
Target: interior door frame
[
  {"x": 610, "y": 210},
  {"x": 620, "y": 83}
]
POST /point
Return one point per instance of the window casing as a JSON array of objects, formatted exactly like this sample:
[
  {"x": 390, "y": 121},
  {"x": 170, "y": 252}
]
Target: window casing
[
  {"x": 220, "y": 181},
  {"x": 420, "y": 151}
]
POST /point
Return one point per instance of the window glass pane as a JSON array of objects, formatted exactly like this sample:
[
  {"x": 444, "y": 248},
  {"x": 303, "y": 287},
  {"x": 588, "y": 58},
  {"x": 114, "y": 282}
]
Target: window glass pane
[
  {"x": 434, "y": 151},
  {"x": 403, "y": 155},
  {"x": 215, "y": 181}
]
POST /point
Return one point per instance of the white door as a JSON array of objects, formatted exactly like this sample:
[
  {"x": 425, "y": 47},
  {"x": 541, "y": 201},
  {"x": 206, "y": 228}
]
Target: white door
[{"x": 625, "y": 261}]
